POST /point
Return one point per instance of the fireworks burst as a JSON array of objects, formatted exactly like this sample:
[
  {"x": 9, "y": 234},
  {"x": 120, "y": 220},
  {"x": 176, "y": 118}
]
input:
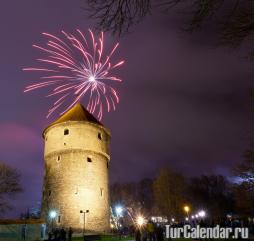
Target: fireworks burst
[{"x": 77, "y": 67}]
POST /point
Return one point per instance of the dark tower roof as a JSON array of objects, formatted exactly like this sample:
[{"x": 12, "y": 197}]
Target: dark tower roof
[{"x": 76, "y": 113}]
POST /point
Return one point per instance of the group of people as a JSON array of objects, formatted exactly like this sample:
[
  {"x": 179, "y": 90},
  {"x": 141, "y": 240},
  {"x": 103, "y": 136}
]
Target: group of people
[
  {"x": 149, "y": 232},
  {"x": 60, "y": 234}
]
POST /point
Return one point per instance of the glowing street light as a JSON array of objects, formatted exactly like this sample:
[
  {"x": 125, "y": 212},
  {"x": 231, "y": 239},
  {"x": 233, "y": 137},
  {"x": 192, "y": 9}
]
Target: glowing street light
[
  {"x": 192, "y": 217},
  {"x": 202, "y": 214},
  {"x": 186, "y": 209},
  {"x": 186, "y": 219},
  {"x": 173, "y": 220},
  {"x": 140, "y": 221},
  {"x": 52, "y": 214},
  {"x": 119, "y": 210}
]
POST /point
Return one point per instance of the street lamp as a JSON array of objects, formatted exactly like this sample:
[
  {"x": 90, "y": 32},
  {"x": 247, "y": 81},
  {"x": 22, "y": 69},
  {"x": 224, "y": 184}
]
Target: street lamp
[
  {"x": 84, "y": 213},
  {"x": 202, "y": 214},
  {"x": 186, "y": 209},
  {"x": 52, "y": 216},
  {"x": 140, "y": 221},
  {"x": 119, "y": 210}
]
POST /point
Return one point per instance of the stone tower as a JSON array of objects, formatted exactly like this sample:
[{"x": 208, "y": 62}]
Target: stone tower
[{"x": 75, "y": 186}]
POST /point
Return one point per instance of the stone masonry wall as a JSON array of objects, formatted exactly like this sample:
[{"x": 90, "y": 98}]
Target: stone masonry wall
[{"x": 76, "y": 176}]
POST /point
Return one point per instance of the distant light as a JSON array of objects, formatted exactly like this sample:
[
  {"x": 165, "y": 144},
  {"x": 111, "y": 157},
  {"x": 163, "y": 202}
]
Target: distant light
[
  {"x": 202, "y": 214},
  {"x": 140, "y": 220},
  {"x": 91, "y": 78},
  {"x": 186, "y": 219},
  {"x": 52, "y": 214},
  {"x": 173, "y": 220},
  {"x": 119, "y": 210},
  {"x": 196, "y": 215},
  {"x": 192, "y": 217},
  {"x": 111, "y": 225},
  {"x": 186, "y": 209}
]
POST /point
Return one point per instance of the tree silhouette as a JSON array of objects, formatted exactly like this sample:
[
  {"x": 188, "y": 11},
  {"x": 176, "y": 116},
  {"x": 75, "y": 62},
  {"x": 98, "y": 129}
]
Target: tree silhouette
[
  {"x": 169, "y": 192},
  {"x": 233, "y": 19},
  {"x": 9, "y": 185}
]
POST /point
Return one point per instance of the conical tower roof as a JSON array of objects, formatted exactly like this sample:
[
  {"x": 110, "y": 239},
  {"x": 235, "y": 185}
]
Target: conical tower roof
[{"x": 76, "y": 113}]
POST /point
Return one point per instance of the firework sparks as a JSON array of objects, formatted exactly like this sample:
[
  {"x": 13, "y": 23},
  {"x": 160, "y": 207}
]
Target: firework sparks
[{"x": 76, "y": 67}]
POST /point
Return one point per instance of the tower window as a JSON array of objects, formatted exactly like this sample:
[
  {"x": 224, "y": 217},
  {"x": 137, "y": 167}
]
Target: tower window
[
  {"x": 89, "y": 159},
  {"x": 59, "y": 219},
  {"x": 76, "y": 191},
  {"x": 101, "y": 192},
  {"x": 107, "y": 164},
  {"x": 49, "y": 193},
  {"x": 64, "y": 144},
  {"x": 58, "y": 158},
  {"x": 99, "y": 136},
  {"x": 66, "y": 132}
]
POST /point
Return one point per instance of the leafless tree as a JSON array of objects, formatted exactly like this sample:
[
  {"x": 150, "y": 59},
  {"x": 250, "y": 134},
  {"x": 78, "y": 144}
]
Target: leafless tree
[
  {"x": 234, "y": 19},
  {"x": 118, "y": 15},
  {"x": 9, "y": 185}
]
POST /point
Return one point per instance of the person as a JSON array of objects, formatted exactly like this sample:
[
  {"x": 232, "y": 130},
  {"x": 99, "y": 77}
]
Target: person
[
  {"x": 70, "y": 232},
  {"x": 159, "y": 233},
  {"x": 144, "y": 234},
  {"x": 137, "y": 234},
  {"x": 56, "y": 234},
  {"x": 150, "y": 230},
  {"x": 23, "y": 232},
  {"x": 49, "y": 236},
  {"x": 62, "y": 235}
]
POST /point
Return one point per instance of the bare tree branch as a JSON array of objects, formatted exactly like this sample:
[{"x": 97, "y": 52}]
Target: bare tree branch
[
  {"x": 118, "y": 16},
  {"x": 233, "y": 19}
]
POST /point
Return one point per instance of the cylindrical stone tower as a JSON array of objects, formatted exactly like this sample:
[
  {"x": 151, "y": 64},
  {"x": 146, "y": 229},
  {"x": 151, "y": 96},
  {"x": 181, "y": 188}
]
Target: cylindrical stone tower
[{"x": 75, "y": 190}]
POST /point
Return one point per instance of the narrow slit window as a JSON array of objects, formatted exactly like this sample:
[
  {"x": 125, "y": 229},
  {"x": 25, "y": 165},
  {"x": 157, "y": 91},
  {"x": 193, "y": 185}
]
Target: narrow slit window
[
  {"x": 59, "y": 219},
  {"x": 101, "y": 192},
  {"x": 99, "y": 136},
  {"x": 58, "y": 158},
  {"x": 89, "y": 159},
  {"x": 49, "y": 193},
  {"x": 66, "y": 132},
  {"x": 76, "y": 190}
]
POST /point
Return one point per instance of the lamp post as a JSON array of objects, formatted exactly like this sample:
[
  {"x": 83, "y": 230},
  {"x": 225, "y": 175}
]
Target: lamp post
[
  {"x": 52, "y": 216},
  {"x": 84, "y": 213},
  {"x": 119, "y": 212},
  {"x": 140, "y": 221},
  {"x": 187, "y": 209}
]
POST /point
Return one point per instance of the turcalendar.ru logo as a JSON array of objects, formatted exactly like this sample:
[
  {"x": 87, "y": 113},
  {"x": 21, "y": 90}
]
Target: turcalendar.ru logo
[{"x": 217, "y": 232}]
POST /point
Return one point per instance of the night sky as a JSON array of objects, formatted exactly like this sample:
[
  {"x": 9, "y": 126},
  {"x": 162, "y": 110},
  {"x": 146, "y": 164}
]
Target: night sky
[{"x": 184, "y": 103}]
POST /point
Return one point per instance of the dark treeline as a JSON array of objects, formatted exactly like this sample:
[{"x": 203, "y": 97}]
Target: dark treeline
[{"x": 169, "y": 191}]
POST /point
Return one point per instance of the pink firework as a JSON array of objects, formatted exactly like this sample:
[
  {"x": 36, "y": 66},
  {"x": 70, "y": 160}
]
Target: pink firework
[{"x": 76, "y": 67}]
